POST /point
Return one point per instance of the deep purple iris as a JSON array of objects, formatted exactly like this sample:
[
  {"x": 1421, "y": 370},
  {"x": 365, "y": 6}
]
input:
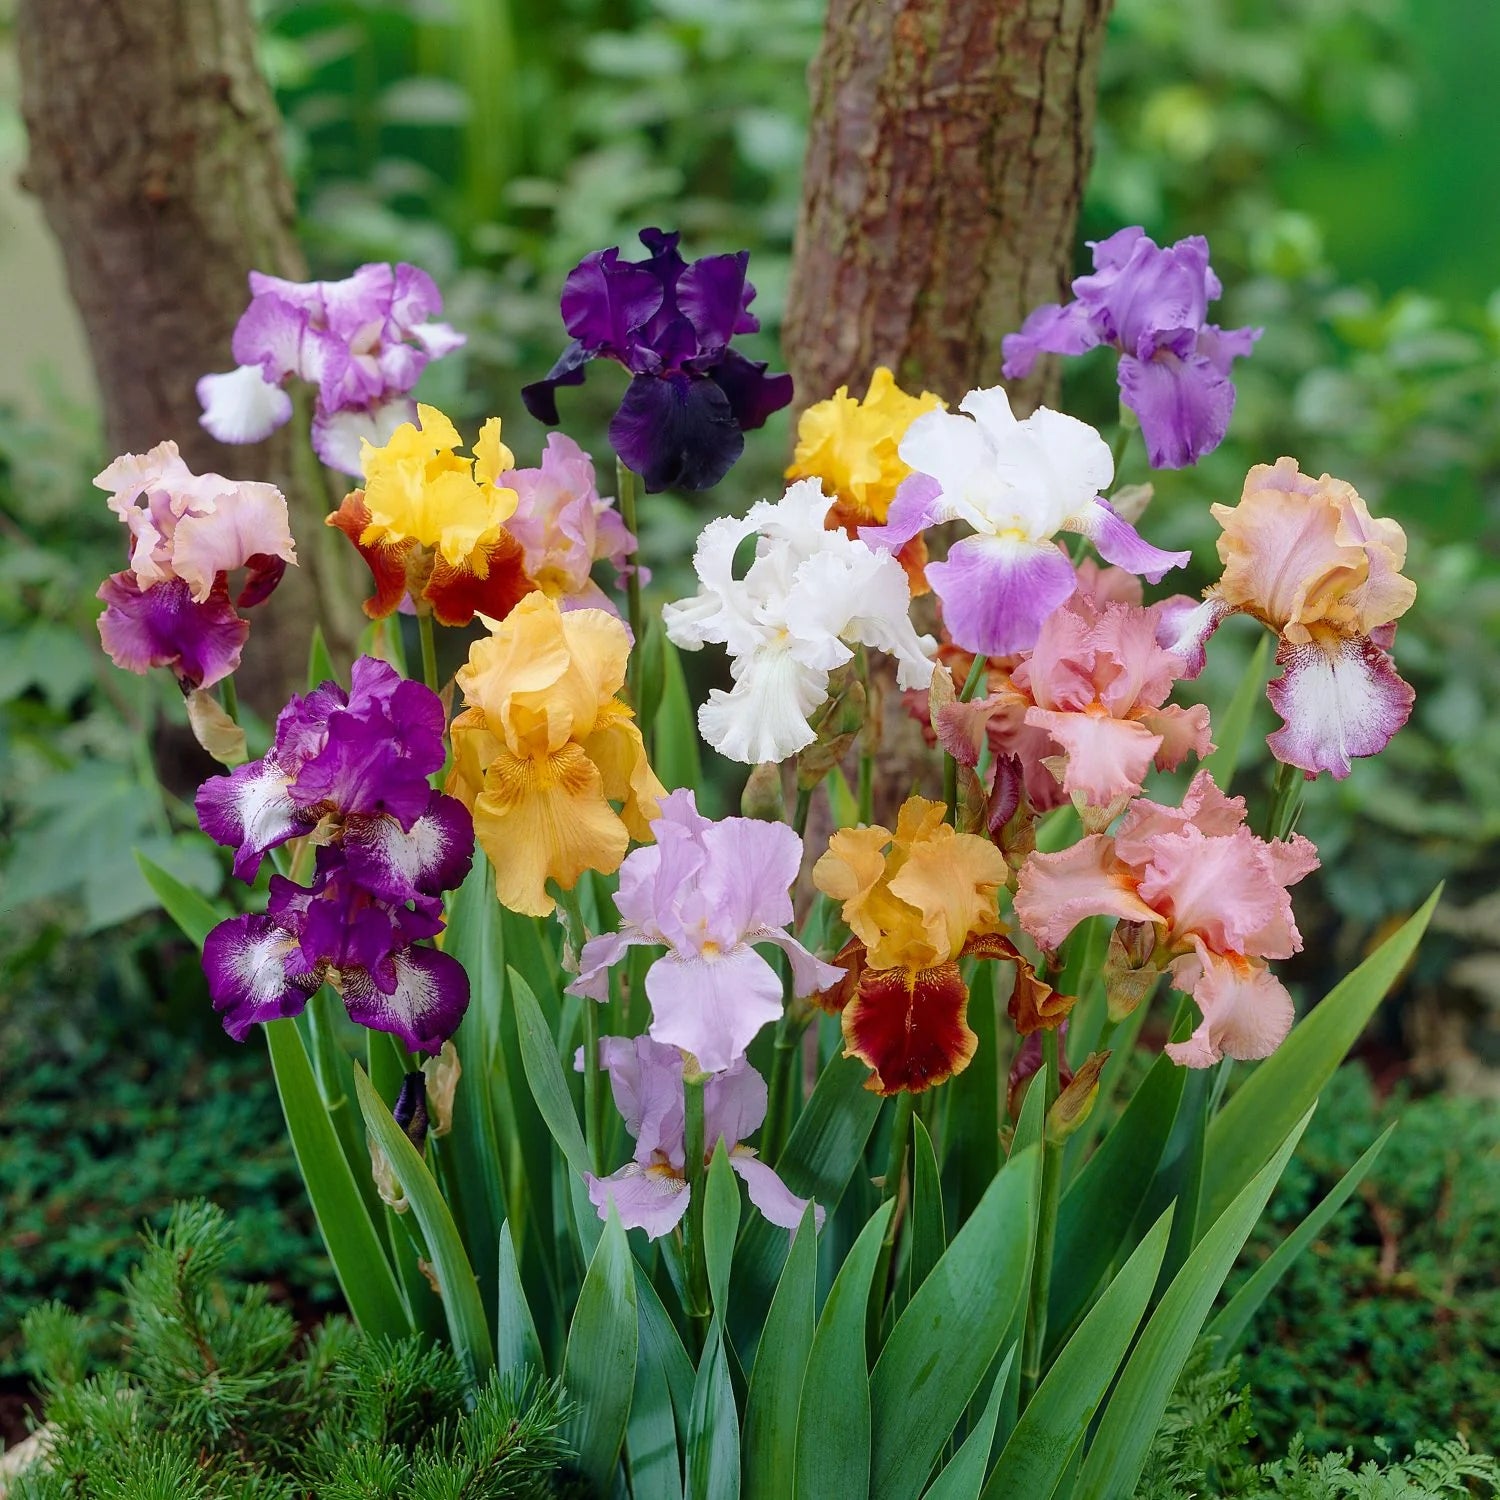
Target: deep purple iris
[
  {"x": 355, "y": 766},
  {"x": 683, "y": 419},
  {"x": 1149, "y": 303}
]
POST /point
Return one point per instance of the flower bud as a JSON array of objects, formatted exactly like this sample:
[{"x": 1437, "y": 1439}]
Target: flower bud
[
  {"x": 442, "y": 1074},
  {"x": 384, "y": 1173},
  {"x": 411, "y": 1110},
  {"x": 763, "y": 797},
  {"x": 215, "y": 730},
  {"x": 1075, "y": 1102}
]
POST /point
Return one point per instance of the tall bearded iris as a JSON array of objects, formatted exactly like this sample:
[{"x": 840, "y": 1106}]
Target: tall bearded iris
[
  {"x": 362, "y": 341},
  {"x": 709, "y": 892},
  {"x": 1150, "y": 304},
  {"x": 692, "y": 399},
  {"x": 352, "y": 769},
  {"x": 1017, "y": 484},
  {"x": 188, "y": 532}
]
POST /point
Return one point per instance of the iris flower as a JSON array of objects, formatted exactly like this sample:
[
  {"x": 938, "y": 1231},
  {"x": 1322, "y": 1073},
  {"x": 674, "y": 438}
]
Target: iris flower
[
  {"x": 691, "y": 398},
  {"x": 188, "y": 532},
  {"x": 709, "y": 892},
  {"x": 362, "y": 341},
  {"x": 430, "y": 522},
  {"x": 1150, "y": 304},
  {"x": 545, "y": 747},
  {"x": 352, "y": 770},
  {"x": 1196, "y": 893},
  {"x": 1305, "y": 557},
  {"x": 810, "y": 596},
  {"x": 917, "y": 900},
  {"x": 1017, "y": 484},
  {"x": 651, "y": 1191}
]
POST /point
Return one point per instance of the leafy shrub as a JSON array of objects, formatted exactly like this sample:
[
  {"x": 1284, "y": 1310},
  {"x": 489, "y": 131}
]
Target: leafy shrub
[{"x": 218, "y": 1397}]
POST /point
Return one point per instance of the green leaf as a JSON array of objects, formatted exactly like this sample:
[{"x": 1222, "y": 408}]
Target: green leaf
[
  {"x": 1280, "y": 1090},
  {"x": 1033, "y": 1116},
  {"x": 1058, "y": 1415},
  {"x": 651, "y": 1432},
  {"x": 516, "y": 1344},
  {"x": 971, "y": 1141},
  {"x": 721, "y": 1222},
  {"x": 1117, "y": 1455},
  {"x": 947, "y": 1338},
  {"x": 713, "y": 1435},
  {"x": 1229, "y": 1327},
  {"x": 599, "y": 1368},
  {"x": 833, "y": 1456},
  {"x": 776, "y": 1379},
  {"x": 826, "y": 1145},
  {"x": 929, "y": 1236},
  {"x": 1101, "y": 1203},
  {"x": 359, "y": 1259},
  {"x": 319, "y": 662},
  {"x": 1231, "y": 726},
  {"x": 467, "y": 1328},
  {"x": 660, "y": 1338},
  {"x": 545, "y": 1075},
  {"x": 675, "y": 740},
  {"x": 963, "y": 1476},
  {"x": 196, "y": 915}
]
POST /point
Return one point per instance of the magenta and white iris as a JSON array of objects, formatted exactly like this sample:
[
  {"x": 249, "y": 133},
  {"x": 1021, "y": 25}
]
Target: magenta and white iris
[
  {"x": 352, "y": 767},
  {"x": 363, "y": 341},
  {"x": 710, "y": 892},
  {"x": 171, "y": 606},
  {"x": 1017, "y": 484},
  {"x": 651, "y": 1191}
]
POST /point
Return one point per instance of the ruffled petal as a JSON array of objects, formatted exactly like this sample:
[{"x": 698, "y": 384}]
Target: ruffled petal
[
  {"x": 765, "y": 716},
  {"x": 1104, "y": 759},
  {"x": 1118, "y": 542},
  {"x": 432, "y": 856},
  {"x": 1339, "y": 701},
  {"x": 910, "y": 1027},
  {"x": 996, "y": 592},
  {"x": 387, "y": 560},
  {"x": 242, "y": 406},
  {"x": 1055, "y": 892},
  {"x": 1247, "y": 1012},
  {"x": 255, "y": 973},
  {"x": 247, "y": 523},
  {"x": 458, "y": 593},
  {"x": 776, "y": 1201},
  {"x": 651, "y": 1198},
  {"x": 1053, "y": 328},
  {"x": 712, "y": 1006},
  {"x": 163, "y": 626},
  {"x": 425, "y": 1006},
  {"x": 1184, "y": 404}
]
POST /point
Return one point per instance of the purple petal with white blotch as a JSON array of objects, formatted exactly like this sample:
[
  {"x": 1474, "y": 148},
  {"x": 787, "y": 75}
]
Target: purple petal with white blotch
[
  {"x": 255, "y": 973},
  {"x": 423, "y": 1008},
  {"x": 776, "y": 1201},
  {"x": 1183, "y": 626},
  {"x": 164, "y": 626},
  {"x": 269, "y": 335},
  {"x": 1184, "y": 406},
  {"x": 676, "y": 432},
  {"x": 398, "y": 864},
  {"x": 250, "y": 811},
  {"x": 649, "y": 1198},
  {"x": 1118, "y": 542},
  {"x": 995, "y": 593},
  {"x": 1338, "y": 705}
]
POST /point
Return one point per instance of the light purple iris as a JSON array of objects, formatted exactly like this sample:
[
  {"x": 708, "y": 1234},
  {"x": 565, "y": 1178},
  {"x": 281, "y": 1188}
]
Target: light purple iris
[
  {"x": 339, "y": 932},
  {"x": 1150, "y": 304},
  {"x": 709, "y": 892},
  {"x": 651, "y": 1191},
  {"x": 683, "y": 418},
  {"x": 354, "y": 766},
  {"x": 362, "y": 341}
]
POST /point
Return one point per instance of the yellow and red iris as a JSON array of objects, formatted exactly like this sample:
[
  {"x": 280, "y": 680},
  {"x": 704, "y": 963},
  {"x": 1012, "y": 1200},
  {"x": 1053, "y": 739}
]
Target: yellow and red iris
[
  {"x": 430, "y": 522},
  {"x": 917, "y": 900}
]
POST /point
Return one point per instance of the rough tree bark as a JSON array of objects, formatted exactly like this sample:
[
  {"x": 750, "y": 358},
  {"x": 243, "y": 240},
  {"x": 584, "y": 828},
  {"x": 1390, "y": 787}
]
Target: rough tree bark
[
  {"x": 947, "y": 153},
  {"x": 155, "y": 152}
]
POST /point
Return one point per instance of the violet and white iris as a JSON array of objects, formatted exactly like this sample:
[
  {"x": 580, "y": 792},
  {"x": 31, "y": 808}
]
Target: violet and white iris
[
  {"x": 809, "y": 598},
  {"x": 362, "y": 341},
  {"x": 1017, "y": 483},
  {"x": 651, "y": 1191},
  {"x": 692, "y": 399},
  {"x": 710, "y": 892},
  {"x": 352, "y": 768},
  {"x": 1150, "y": 303}
]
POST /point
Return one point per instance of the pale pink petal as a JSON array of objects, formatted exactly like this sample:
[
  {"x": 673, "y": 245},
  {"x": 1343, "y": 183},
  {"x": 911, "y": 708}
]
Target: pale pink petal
[
  {"x": 1060, "y": 671},
  {"x": 645, "y": 1078},
  {"x": 1132, "y": 671},
  {"x": 247, "y": 520},
  {"x": 1246, "y": 1009},
  {"x": 746, "y": 886},
  {"x": 1181, "y": 730},
  {"x": 1204, "y": 806},
  {"x": 242, "y": 406},
  {"x": 776, "y": 1201},
  {"x": 1105, "y": 758},
  {"x": 714, "y": 1006},
  {"x": 650, "y": 1198},
  {"x": 1055, "y": 892},
  {"x": 1338, "y": 704},
  {"x": 437, "y": 339},
  {"x": 734, "y": 1106}
]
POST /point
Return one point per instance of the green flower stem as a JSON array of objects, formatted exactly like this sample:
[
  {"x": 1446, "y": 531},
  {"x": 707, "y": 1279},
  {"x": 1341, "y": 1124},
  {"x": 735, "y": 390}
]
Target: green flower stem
[
  {"x": 1286, "y": 801},
  {"x": 625, "y": 484},
  {"x": 799, "y": 814},
  {"x": 429, "y": 650},
  {"x": 694, "y": 1148},
  {"x": 895, "y": 1168},
  {"x": 950, "y": 766},
  {"x": 574, "y": 934},
  {"x": 783, "y": 1061},
  {"x": 1046, "y": 1234},
  {"x": 866, "y": 788},
  {"x": 229, "y": 698}
]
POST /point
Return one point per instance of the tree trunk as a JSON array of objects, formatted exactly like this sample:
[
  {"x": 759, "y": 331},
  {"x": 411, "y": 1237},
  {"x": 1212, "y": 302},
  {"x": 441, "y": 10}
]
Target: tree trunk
[
  {"x": 947, "y": 154},
  {"x": 155, "y": 151}
]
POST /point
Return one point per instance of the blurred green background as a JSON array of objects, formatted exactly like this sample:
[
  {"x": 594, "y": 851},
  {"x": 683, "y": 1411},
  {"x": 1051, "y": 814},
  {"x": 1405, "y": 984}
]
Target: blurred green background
[{"x": 1341, "y": 157}]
